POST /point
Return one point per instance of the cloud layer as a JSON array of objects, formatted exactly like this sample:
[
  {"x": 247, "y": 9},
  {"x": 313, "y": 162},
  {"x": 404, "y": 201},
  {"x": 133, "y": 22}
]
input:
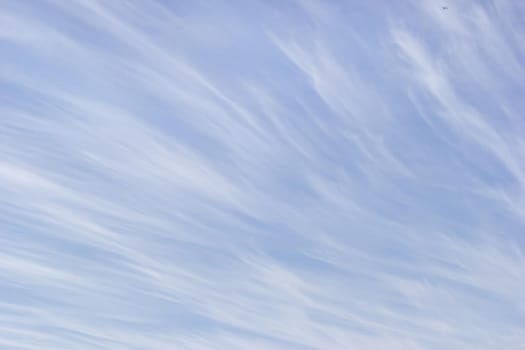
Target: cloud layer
[{"x": 262, "y": 175}]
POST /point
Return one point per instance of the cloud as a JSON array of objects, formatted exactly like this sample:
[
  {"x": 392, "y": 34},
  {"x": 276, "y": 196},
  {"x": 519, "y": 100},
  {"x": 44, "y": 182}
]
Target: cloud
[{"x": 267, "y": 176}]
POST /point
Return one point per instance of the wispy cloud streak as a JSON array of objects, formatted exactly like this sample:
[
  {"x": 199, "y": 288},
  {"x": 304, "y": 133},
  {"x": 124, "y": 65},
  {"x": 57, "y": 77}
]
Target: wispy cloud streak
[{"x": 301, "y": 175}]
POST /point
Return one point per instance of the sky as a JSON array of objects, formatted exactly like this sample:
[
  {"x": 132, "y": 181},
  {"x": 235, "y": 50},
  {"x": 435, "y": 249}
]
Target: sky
[{"x": 262, "y": 175}]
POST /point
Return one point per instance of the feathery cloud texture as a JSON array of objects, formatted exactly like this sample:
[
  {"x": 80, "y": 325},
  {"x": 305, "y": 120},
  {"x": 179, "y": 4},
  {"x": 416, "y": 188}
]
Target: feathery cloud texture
[{"x": 262, "y": 175}]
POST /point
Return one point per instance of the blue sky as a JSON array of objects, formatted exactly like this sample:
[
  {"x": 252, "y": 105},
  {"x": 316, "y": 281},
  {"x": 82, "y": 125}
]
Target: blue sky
[{"x": 262, "y": 175}]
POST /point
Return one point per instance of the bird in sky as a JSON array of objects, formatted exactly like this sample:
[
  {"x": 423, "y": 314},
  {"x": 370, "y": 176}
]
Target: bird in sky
[{"x": 444, "y": 8}]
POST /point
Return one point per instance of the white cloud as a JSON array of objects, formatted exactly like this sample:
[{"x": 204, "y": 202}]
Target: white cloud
[{"x": 314, "y": 176}]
